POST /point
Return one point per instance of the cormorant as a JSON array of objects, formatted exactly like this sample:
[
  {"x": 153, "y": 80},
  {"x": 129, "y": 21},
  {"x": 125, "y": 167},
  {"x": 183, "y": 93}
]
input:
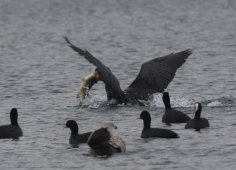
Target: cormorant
[{"x": 154, "y": 76}]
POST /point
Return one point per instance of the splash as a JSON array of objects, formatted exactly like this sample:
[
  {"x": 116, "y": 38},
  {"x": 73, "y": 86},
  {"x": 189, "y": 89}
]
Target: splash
[
  {"x": 99, "y": 101},
  {"x": 93, "y": 102},
  {"x": 175, "y": 101},
  {"x": 223, "y": 101}
]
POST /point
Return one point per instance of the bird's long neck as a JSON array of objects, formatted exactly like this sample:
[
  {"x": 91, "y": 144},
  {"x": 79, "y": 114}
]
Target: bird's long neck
[
  {"x": 14, "y": 120},
  {"x": 167, "y": 102},
  {"x": 197, "y": 114},
  {"x": 74, "y": 130},
  {"x": 167, "y": 106},
  {"x": 146, "y": 124},
  {"x": 116, "y": 95}
]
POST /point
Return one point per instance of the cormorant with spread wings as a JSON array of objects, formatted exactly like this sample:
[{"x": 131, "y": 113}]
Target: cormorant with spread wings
[{"x": 154, "y": 76}]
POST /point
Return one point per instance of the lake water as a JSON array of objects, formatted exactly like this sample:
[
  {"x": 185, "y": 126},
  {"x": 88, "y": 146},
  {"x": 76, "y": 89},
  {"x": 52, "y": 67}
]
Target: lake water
[{"x": 40, "y": 76}]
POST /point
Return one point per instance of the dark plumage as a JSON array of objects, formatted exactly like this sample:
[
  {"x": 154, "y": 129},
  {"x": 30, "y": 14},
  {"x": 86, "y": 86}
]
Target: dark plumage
[
  {"x": 171, "y": 115},
  {"x": 75, "y": 137},
  {"x": 148, "y": 132},
  {"x": 154, "y": 76},
  {"x": 103, "y": 143},
  {"x": 13, "y": 130},
  {"x": 99, "y": 142},
  {"x": 197, "y": 122}
]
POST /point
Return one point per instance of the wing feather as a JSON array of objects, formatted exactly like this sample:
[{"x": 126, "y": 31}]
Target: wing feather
[
  {"x": 111, "y": 82},
  {"x": 156, "y": 74}
]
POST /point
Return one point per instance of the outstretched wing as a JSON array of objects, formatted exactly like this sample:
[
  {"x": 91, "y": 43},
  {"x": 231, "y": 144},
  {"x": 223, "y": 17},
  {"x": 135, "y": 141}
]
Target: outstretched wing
[
  {"x": 111, "y": 82},
  {"x": 156, "y": 74}
]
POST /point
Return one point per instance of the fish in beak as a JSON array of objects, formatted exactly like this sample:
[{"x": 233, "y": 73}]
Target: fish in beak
[{"x": 87, "y": 84}]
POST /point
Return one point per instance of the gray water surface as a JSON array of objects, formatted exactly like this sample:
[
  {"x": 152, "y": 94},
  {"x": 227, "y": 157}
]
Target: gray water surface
[{"x": 40, "y": 76}]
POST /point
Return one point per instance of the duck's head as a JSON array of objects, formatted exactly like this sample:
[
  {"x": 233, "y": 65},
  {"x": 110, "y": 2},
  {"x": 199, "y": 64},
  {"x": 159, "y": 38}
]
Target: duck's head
[
  {"x": 109, "y": 126},
  {"x": 198, "y": 107},
  {"x": 72, "y": 125},
  {"x": 145, "y": 115},
  {"x": 166, "y": 100},
  {"x": 14, "y": 116}
]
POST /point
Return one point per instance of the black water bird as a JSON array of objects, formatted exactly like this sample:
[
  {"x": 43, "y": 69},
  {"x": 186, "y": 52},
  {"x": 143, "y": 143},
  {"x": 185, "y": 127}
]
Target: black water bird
[
  {"x": 13, "y": 130},
  {"x": 75, "y": 137},
  {"x": 154, "y": 76},
  {"x": 102, "y": 142},
  {"x": 197, "y": 122},
  {"x": 171, "y": 115},
  {"x": 148, "y": 132}
]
